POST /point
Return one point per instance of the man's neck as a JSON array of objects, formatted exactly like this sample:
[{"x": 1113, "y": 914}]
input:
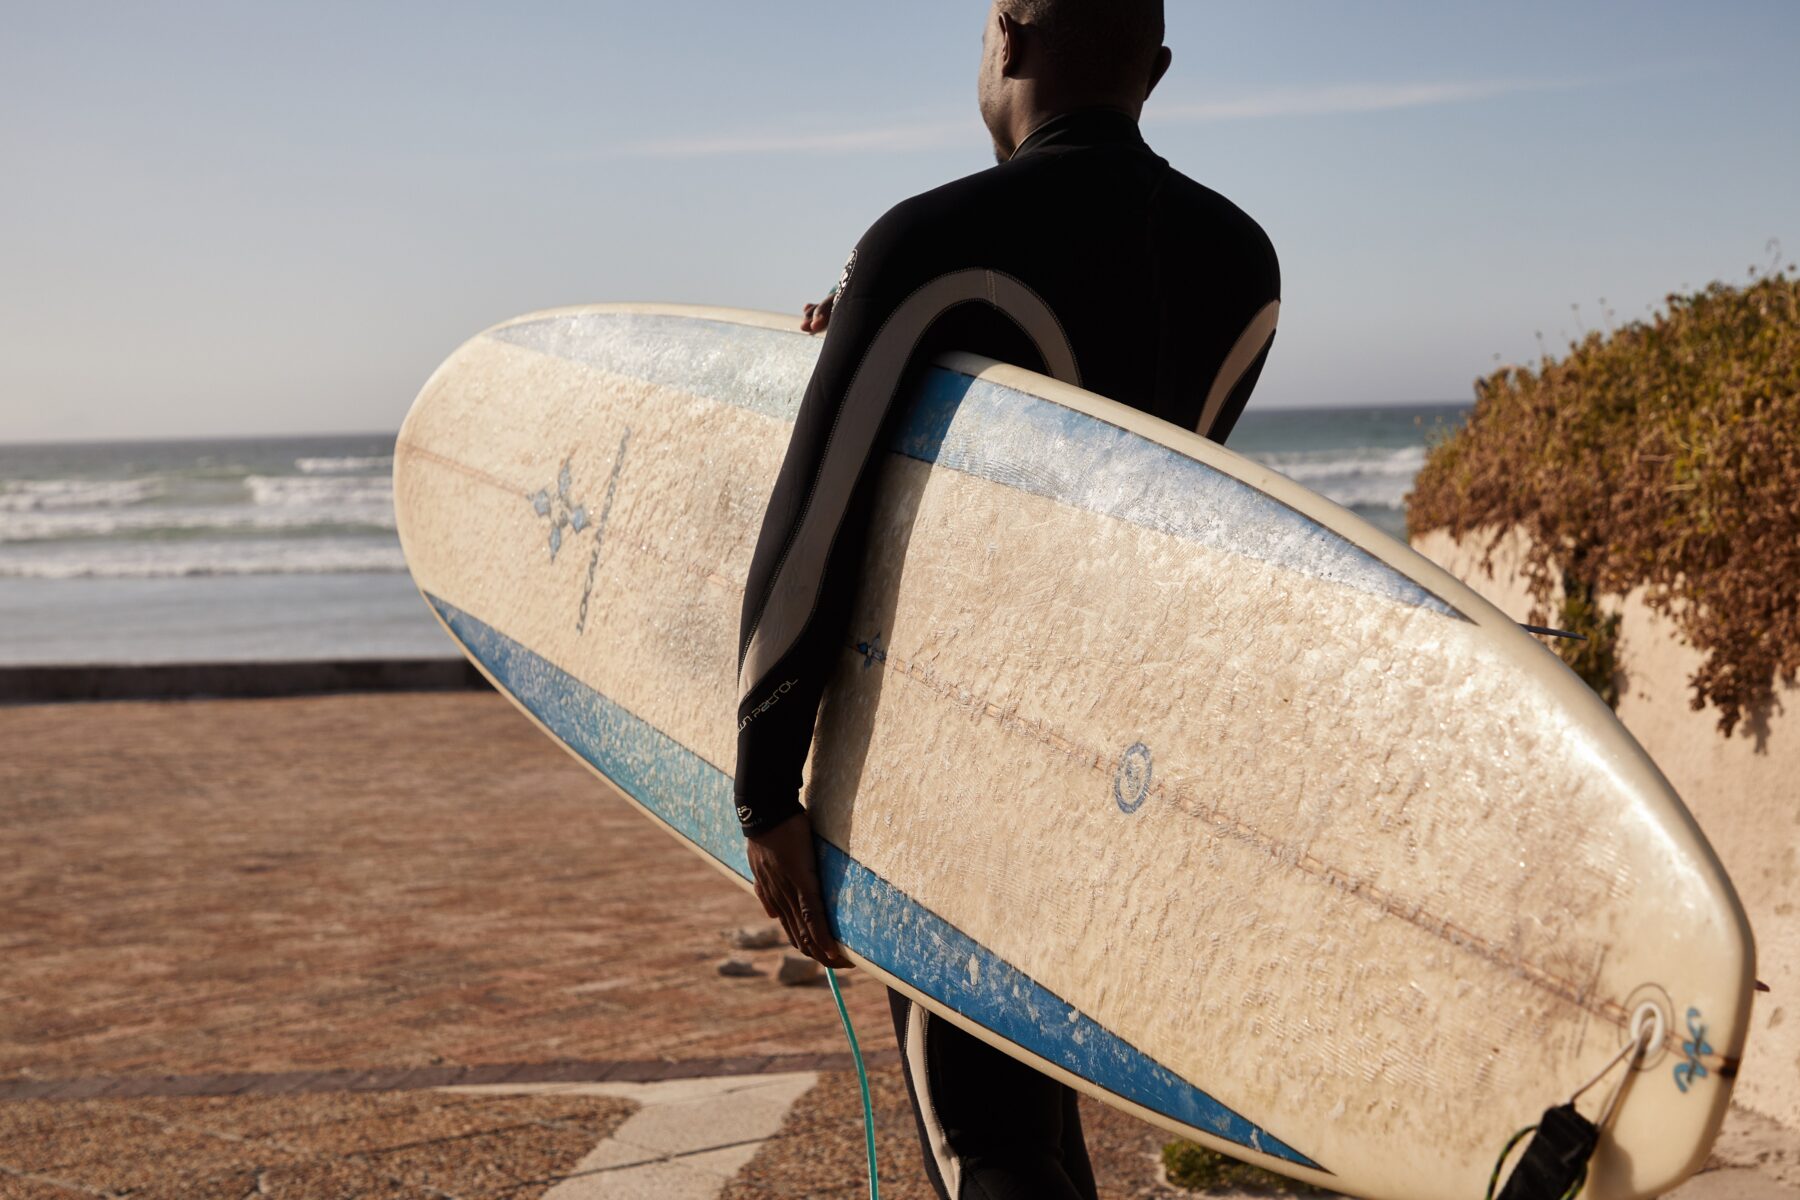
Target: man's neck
[{"x": 1040, "y": 121}]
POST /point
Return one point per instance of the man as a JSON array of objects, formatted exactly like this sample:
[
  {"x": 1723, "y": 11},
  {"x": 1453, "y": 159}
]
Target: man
[{"x": 1082, "y": 255}]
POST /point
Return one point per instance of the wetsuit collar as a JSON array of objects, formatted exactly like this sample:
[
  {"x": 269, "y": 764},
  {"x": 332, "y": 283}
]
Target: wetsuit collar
[{"x": 1083, "y": 127}]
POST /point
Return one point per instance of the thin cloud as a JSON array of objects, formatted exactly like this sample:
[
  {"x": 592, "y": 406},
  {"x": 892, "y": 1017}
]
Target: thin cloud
[
  {"x": 885, "y": 137},
  {"x": 1343, "y": 99}
]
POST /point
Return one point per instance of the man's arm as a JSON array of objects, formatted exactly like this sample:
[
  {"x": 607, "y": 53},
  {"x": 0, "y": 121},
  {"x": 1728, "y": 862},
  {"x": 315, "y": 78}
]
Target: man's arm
[
  {"x": 778, "y": 703},
  {"x": 901, "y": 281},
  {"x": 780, "y": 689}
]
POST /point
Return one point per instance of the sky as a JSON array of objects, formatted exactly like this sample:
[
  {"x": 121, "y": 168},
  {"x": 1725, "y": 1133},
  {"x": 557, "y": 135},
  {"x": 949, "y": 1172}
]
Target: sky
[{"x": 226, "y": 219}]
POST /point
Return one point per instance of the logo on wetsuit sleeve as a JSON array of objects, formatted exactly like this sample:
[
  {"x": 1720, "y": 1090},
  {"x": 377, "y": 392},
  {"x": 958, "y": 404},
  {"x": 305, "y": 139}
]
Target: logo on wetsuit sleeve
[
  {"x": 843, "y": 283},
  {"x": 766, "y": 705}
]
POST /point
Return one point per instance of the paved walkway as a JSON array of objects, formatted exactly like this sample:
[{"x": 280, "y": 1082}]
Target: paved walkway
[{"x": 687, "y": 1140}]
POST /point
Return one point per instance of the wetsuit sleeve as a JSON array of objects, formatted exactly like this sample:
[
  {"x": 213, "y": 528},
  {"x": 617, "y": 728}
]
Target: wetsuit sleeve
[
  {"x": 779, "y": 686},
  {"x": 803, "y": 574}
]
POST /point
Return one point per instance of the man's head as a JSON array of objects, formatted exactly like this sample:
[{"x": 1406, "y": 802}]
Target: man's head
[{"x": 1044, "y": 57}]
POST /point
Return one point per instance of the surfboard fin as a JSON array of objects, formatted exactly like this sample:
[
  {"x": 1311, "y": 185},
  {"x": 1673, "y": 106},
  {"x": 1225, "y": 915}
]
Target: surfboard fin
[{"x": 1549, "y": 632}]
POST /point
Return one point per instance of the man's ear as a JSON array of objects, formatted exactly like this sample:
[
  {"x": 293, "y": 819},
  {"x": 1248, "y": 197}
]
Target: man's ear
[
  {"x": 1008, "y": 33},
  {"x": 1159, "y": 68}
]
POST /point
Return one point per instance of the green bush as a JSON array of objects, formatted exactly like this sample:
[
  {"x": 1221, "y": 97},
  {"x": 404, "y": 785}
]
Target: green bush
[
  {"x": 1663, "y": 455},
  {"x": 1596, "y": 658}
]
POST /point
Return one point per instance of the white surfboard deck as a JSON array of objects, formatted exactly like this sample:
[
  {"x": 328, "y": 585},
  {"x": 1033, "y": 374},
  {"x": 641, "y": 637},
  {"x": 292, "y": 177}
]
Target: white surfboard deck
[{"x": 1156, "y": 770}]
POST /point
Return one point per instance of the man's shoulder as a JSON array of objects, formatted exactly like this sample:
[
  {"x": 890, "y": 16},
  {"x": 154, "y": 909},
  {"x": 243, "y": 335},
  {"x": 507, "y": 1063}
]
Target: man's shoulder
[
  {"x": 930, "y": 232},
  {"x": 1191, "y": 207},
  {"x": 1026, "y": 205},
  {"x": 947, "y": 207}
]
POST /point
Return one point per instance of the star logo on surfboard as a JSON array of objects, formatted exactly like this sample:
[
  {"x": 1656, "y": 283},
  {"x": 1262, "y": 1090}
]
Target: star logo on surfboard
[
  {"x": 561, "y": 509},
  {"x": 569, "y": 517}
]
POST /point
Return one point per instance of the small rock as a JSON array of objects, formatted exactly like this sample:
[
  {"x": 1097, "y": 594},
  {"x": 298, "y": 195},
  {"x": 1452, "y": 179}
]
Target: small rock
[
  {"x": 797, "y": 969},
  {"x": 756, "y": 937},
  {"x": 736, "y": 968}
]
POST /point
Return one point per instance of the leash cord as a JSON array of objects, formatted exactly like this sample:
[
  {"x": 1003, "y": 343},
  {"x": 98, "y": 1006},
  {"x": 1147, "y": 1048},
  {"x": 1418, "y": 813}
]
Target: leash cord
[
  {"x": 1642, "y": 1037},
  {"x": 1500, "y": 1165},
  {"x": 862, "y": 1078}
]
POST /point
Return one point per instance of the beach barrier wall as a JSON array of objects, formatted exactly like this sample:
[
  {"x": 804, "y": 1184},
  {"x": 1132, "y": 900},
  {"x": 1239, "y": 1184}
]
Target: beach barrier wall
[
  {"x": 51, "y": 684},
  {"x": 1741, "y": 790}
]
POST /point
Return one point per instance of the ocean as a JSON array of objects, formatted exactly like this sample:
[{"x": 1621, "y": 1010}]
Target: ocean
[{"x": 278, "y": 548}]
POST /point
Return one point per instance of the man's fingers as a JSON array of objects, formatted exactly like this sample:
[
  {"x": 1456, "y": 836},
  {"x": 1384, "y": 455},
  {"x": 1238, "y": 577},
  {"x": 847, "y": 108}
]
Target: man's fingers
[
  {"x": 822, "y": 943},
  {"x": 807, "y": 929},
  {"x": 762, "y": 898},
  {"x": 788, "y": 914},
  {"x": 802, "y": 918},
  {"x": 774, "y": 892},
  {"x": 815, "y": 317},
  {"x": 785, "y": 866}
]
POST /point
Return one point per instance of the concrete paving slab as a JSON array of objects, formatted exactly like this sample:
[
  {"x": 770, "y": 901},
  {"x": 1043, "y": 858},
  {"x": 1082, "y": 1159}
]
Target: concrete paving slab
[
  {"x": 653, "y": 1181},
  {"x": 687, "y": 1139}
]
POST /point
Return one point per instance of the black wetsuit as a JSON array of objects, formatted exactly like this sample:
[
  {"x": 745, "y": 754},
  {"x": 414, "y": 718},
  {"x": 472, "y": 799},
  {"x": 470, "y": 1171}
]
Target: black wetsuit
[{"x": 1084, "y": 256}]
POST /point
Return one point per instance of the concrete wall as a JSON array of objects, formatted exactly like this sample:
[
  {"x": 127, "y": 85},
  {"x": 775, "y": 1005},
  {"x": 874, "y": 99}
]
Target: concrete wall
[{"x": 1744, "y": 791}]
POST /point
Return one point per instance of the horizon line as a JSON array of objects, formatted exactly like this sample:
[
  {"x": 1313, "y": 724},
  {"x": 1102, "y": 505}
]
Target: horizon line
[{"x": 32, "y": 443}]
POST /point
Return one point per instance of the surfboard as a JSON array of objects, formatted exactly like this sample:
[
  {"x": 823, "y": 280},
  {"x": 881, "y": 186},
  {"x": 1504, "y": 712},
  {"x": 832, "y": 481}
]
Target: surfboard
[{"x": 1161, "y": 773}]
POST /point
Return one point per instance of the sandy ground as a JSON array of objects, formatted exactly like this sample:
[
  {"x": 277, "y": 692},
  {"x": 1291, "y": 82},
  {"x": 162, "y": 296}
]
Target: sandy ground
[
  {"x": 387, "y": 1144},
  {"x": 393, "y": 883},
  {"x": 369, "y": 881}
]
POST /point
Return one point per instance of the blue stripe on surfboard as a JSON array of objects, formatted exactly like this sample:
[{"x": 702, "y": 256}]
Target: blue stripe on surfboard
[
  {"x": 872, "y": 916},
  {"x": 909, "y": 941},
  {"x": 983, "y": 429},
  {"x": 1033, "y": 445}
]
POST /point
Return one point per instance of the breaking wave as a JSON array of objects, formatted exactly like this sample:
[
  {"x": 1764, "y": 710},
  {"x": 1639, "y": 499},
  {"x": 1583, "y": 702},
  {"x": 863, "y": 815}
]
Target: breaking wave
[
  {"x": 175, "y": 560},
  {"x": 1358, "y": 477}
]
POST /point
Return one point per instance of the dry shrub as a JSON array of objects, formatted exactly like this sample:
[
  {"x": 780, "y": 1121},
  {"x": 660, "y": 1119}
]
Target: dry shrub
[{"x": 1665, "y": 455}]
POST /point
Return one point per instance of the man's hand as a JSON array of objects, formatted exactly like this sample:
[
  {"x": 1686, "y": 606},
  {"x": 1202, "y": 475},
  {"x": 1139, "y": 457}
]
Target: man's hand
[
  {"x": 786, "y": 871},
  {"x": 815, "y": 317}
]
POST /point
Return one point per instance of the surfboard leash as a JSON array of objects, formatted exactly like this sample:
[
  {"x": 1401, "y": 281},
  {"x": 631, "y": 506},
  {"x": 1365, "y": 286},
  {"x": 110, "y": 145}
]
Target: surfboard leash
[
  {"x": 1555, "y": 1163},
  {"x": 862, "y": 1078},
  {"x": 1565, "y": 1142}
]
